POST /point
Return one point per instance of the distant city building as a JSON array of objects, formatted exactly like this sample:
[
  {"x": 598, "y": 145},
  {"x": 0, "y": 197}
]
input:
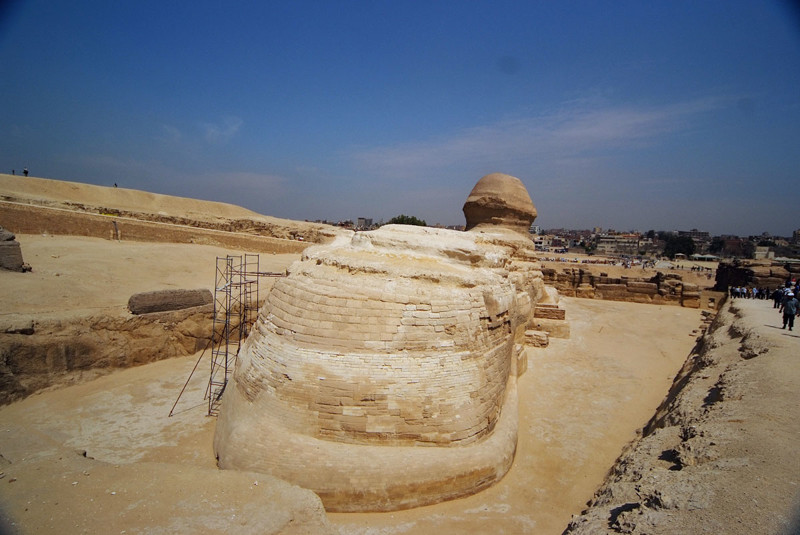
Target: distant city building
[
  {"x": 763, "y": 252},
  {"x": 542, "y": 242},
  {"x": 535, "y": 229},
  {"x": 796, "y": 236},
  {"x": 363, "y": 223},
  {"x": 701, "y": 239},
  {"x": 613, "y": 244}
]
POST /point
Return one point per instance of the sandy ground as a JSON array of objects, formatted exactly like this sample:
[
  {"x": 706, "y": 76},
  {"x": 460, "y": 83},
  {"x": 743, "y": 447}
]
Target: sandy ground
[
  {"x": 581, "y": 399},
  {"x": 77, "y": 275},
  {"x": 722, "y": 457}
]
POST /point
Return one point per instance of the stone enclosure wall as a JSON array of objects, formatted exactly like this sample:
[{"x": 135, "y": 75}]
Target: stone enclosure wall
[{"x": 666, "y": 289}]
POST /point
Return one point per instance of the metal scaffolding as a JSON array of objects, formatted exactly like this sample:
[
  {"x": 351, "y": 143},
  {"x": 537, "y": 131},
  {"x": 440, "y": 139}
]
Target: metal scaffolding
[{"x": 236, "y": 299}]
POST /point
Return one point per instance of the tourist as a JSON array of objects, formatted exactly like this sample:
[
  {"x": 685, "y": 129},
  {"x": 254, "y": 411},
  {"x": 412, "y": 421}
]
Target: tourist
[
  {"x": 25, "y": 171},
  {"x": 789, "y": 307}
]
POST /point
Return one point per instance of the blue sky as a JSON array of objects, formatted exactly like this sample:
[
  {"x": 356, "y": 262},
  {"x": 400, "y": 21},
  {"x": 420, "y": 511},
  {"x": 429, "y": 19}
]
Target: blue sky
[{"x": 627, "y": 115}]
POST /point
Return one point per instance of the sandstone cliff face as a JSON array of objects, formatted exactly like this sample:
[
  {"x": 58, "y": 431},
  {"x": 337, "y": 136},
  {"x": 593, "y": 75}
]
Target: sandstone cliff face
[
  {"x": 382, "y": 370},
  {"x": 664, "y": 289},
  {"x": 36, "y": 355}
]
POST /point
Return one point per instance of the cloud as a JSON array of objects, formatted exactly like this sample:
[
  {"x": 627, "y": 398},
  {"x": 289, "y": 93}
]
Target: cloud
[
  {"x": 575, "y": 133},
  {"x": 221, "y": 132}
]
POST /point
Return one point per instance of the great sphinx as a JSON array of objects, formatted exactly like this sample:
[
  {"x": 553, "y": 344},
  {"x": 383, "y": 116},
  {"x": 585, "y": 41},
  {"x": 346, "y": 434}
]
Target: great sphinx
[{"x": 382, "y": 371}]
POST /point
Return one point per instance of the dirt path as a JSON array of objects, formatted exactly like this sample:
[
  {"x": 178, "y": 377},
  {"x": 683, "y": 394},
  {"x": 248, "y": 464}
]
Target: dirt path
[{"x": 722, "y": 457}]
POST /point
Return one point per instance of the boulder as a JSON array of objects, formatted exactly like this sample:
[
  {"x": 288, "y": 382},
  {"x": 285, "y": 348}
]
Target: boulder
[
  {"x": 11, "y": 253},
  {"x": 165, "y": 300}
]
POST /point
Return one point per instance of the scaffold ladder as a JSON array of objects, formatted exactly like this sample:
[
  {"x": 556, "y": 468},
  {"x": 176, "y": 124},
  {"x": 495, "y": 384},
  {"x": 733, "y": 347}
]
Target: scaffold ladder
[{"x": 236, "y": 301}]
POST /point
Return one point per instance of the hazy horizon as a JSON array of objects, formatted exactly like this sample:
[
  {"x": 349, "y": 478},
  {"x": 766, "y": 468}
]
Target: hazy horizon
[{"x": 624, "y": 115}]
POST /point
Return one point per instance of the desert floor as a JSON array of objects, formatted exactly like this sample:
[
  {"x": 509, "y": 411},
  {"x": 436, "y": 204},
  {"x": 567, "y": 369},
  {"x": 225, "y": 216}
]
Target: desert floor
[{"x": 581, "y": 401}]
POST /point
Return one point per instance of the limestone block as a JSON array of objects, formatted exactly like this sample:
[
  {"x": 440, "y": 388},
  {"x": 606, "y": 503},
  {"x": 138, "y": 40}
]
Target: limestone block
[
  {"x": 537, "y": 338},
  {"x": 164, "y": 300},
  {"x": 549, "y": 311},
  {"x": 11, "y": 256},
  {"x": 611, "y": 288},
  {"x": 643, "y": 287},
  {"x": 691, "y": 302},
  {"x": 17, "y": 325},
  {"x": 585, "y": 290},
  {"x": 554, "y": 328}
]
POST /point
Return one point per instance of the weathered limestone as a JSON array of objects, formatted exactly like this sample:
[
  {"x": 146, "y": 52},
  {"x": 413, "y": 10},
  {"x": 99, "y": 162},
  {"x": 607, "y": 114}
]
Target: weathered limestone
[
  {"x": 761, "y": 274},
  {"x": 10, "y": 252},
  {"x": 662, "y": 289},
  {"x": 499, "y": 200},
  {"x": 382, "y": 370},
  {"x": 537, "y": 338},
  {"x": 164, "y": 300},
  {"x": 47, "y": 352}
]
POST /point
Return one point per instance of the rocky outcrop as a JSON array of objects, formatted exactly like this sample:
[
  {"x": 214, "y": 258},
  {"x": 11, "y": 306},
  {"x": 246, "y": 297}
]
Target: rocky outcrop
[
  {"x": 39, "y": 354},
  {"x": 769, "y": 275},
  {"x": 165, "y": 300},
  {"x": 381, "y": 372},
  {"x": 667, "y": 289}
]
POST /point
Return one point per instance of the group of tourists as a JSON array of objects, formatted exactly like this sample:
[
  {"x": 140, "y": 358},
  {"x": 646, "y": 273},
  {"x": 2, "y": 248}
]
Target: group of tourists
[
  {"x": 784, "y": 298},
  {"x": 746, "y": 292}
]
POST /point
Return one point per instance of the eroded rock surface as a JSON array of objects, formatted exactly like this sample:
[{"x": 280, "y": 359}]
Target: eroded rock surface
[
  {"x": 10, "y": 252},
  {"x": 382, "y": 371}
]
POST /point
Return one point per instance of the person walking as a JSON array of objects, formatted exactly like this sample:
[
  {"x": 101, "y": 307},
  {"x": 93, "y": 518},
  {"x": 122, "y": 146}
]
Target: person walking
[
  {"x": 789, "y": 307},
  {"x": 777, "y": 297}
]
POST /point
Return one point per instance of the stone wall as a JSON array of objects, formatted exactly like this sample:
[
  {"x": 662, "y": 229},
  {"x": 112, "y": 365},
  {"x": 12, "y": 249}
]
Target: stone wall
[{"x": 667, "y": 289}]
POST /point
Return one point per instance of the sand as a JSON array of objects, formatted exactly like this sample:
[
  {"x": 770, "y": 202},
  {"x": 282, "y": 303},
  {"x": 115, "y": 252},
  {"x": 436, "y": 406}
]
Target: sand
[{"x": 581, "y": 400}]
